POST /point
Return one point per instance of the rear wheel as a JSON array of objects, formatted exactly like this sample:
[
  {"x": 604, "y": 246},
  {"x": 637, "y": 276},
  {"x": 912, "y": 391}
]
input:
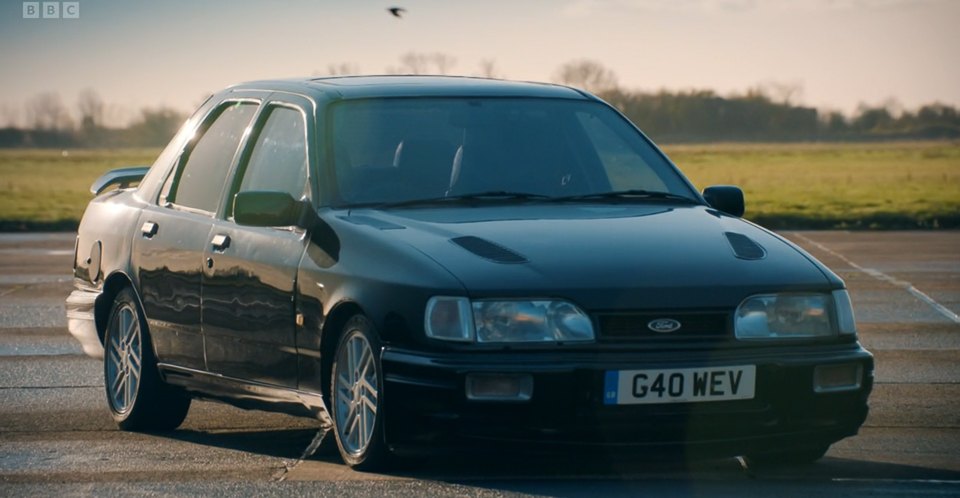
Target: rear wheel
[
  {"x": 356, "y": 387},
  {"x": 136, "y": 396}
]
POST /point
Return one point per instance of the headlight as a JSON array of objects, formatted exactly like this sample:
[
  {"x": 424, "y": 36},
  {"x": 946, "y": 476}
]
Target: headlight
[
  {"x": 786, "y": 315},
  {"x": 448, "y": 318},
  {"x": 507, "y": 321},
  {"x": 530, "y": 321}
]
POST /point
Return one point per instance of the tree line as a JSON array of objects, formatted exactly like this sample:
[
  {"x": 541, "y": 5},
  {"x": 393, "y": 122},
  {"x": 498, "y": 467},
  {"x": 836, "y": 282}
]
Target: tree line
[
  {"x": 704, "y": 116},
  {"x": 49, "y": 124},
  {"x": 759, "y": 114}
]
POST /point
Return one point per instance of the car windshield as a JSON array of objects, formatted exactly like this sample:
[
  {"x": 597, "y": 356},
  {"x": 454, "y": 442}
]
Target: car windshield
[{"x": 397, "y": 151}]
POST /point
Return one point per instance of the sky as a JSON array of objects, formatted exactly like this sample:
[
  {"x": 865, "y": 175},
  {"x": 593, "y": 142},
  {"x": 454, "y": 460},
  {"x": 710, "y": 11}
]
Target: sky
[{"x": 837, "y": 54}]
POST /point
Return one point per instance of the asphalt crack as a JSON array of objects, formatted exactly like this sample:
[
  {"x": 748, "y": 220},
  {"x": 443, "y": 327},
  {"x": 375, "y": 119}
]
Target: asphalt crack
[{"x": 311, "y": 448}]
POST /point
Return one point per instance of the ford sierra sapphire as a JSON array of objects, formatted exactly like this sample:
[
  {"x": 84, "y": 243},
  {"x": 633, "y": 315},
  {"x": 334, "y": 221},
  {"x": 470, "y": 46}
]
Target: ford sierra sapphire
[{"x": 454, "y": 264}]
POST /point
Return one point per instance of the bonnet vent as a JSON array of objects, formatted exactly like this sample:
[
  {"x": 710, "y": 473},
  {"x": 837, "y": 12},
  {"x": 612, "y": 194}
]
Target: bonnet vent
[
  {"x": 488, "y": 250},
  {"x": 744, "y": 247}
]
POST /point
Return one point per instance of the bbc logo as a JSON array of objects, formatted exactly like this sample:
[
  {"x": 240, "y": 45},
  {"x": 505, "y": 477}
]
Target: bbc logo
[{"x": 51, "y": 10}]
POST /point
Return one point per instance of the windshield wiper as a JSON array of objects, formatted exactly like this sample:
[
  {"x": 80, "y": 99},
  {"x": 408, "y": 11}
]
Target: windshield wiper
[
  {"x": 492, "y": 195},
  {"x": 626, "y": 195}
]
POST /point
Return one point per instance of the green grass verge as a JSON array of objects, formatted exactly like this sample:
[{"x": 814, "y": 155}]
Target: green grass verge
[
  {"x": 858, "y": 186},
  {"x": 49, "y": 189},
  {"x": 862, "y": 185}
]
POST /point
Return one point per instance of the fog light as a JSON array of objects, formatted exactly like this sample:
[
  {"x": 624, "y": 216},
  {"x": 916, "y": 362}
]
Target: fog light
[
  {"x": 499, "y": 387},
  {"x": 833, "y": 378}
]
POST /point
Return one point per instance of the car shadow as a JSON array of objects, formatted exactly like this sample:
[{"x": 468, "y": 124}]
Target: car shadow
[
  {"x": 554, "y": 473},
  {"x": 849, "y": 469},
  {"x": 590, "y": 476},
  {"x": 280, "y": 443}
]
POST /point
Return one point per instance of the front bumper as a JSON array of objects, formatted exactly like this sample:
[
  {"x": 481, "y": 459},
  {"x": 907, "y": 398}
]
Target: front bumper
[
  {"x": 80, "y": 321},
  {"x": 424, "y": 397}
]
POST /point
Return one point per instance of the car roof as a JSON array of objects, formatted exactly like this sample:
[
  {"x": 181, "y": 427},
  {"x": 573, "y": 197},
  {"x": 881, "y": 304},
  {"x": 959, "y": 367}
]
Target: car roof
[{"x": 353, "y": 87}]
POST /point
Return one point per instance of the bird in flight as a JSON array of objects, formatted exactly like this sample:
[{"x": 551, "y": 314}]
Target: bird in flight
[{"x": 397, "y": 11}]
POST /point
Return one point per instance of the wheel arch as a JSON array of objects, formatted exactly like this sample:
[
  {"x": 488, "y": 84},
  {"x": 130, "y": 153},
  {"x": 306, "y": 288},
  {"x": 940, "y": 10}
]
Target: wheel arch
[
  {"x": 112, "y": 285},
  {"x": 330, "y": 338}
]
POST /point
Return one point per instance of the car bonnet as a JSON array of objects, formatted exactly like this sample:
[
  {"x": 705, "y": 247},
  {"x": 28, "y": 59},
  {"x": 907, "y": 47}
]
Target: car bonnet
[{"x": 604, "y": 255}]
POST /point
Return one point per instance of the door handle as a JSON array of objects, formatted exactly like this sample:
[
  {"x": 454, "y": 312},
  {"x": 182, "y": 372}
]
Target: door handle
[
  {"x": 149, "y": 229},
  {"x": 220, "y": 242}
]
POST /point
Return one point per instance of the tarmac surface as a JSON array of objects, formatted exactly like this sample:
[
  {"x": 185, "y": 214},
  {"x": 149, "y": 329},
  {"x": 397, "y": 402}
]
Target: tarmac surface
[{"x": 56, "y": 437}]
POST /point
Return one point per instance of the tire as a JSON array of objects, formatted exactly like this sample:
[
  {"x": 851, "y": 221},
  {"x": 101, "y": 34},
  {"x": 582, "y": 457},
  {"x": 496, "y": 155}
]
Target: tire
[
  {"x": 356, "y": 392},
  {"x": 137, "y": 398},
  {"x": 796, "y": 456}
]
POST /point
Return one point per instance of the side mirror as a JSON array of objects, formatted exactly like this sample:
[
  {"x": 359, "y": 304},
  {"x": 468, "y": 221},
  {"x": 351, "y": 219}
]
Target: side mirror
[
  {"x": 726, "y": 198},
  {"x": 270, "y": 209}
]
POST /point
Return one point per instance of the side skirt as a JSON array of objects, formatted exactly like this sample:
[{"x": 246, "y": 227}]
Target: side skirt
[{"x": 247, "y": 395}]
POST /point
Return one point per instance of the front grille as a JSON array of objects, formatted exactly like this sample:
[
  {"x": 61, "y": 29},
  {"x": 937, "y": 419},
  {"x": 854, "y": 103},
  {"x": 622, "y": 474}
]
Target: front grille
[{"x": 636, "y": 326}]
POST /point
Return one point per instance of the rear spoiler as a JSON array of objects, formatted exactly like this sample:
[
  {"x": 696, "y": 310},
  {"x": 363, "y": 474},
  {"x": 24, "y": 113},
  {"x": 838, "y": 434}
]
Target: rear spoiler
[{"x": 122, "y": 177}]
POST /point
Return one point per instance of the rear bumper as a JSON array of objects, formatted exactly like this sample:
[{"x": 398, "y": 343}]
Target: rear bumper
[
  {"x": 424, "y": 397},
  {"x": 81, "y": 323}
]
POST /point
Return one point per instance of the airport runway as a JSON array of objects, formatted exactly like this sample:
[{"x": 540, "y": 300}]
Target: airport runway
[{"x": 56, "y": 437}]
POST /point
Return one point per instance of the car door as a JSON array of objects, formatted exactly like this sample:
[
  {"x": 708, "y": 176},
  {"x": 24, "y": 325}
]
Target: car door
[
  {"x": 168, "y": 249},
  {"x": 250, "y": 277}
]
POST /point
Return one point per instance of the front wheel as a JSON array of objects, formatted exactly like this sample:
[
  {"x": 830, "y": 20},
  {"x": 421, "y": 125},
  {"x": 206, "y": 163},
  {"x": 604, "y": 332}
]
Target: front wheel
[
  {"x": 136, "y": 396},
  {"x": 356, "y": 385}
]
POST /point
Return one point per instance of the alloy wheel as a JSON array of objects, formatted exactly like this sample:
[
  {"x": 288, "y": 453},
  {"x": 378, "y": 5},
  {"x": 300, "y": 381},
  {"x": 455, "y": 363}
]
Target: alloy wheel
[
  {"x": 357, "y": 394},
  {"x": 124, "y": 358}
]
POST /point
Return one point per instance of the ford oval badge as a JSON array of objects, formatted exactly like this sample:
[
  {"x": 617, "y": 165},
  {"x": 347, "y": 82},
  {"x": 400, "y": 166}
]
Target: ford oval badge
[{"x": 664, "y": 325}]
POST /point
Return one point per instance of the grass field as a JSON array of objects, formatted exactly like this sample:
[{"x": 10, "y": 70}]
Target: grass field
[
  {"x": 875, "y": 185},
  {"x": 862, "y": 185},
  {"x": 48, "y": 189}
]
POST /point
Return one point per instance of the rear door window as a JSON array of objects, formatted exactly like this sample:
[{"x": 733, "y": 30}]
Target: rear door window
[{"x": 199, "y": 183}]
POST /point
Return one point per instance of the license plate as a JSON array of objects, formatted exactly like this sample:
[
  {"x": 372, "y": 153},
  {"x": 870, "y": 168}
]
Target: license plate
[{"x": 684, "y": 385}]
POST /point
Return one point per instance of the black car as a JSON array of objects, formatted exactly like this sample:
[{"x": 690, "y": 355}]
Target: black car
[{"x": 438, "y": 263}]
